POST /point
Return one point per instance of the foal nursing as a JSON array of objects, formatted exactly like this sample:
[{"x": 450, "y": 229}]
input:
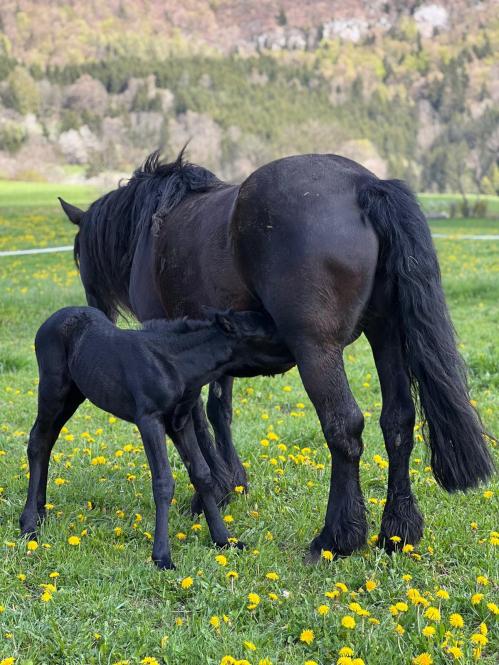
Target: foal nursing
[{"x": 151, "y": 377}]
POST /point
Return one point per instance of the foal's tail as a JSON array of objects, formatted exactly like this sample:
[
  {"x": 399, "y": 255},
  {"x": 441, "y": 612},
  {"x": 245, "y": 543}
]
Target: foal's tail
[{"x": 460, "y": 457}]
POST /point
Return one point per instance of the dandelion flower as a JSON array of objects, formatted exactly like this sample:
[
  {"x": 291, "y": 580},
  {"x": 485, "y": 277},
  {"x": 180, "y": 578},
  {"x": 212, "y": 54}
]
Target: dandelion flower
[
  {"x": 32, "y": 545},
  {"x": 433, "y": 614},
  {"x": 307, "y": 636},
  {"x": 456, "y": 620},
  {"x": 323, "y": 610},
  {"x": 74, "y": 540},
  {"x": 348, "y": 622},
  {"x": 423, "y": 659},
  {"x": 327, "y": 555},
  {"x": 400, "y": 630},
  {"x": 477, "y": 598},
  {"x": 148, "y": 660},
  {"x": 232, "y": 575},
  {"x": 186, "y": 583},
  {"x": 482, "y": 580},
  {"x": 254, "y": 600},
  {"x": 249, "y": 645},
  {"x": 215, "y": 622},
  {"x": 429, "y": 631},
  {"x": 221, "y": 560},
  {"x": 456, "y": 652},
  {"x": 478, "y": 638},
  {"x": 370, "y": 585},
  {"x": 492, "y": 607},
  {"x": 272, "y": 576}
]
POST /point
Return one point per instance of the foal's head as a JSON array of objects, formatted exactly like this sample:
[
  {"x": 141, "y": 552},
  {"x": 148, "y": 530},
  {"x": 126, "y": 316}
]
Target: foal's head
[{"x": 251, "y": 327}]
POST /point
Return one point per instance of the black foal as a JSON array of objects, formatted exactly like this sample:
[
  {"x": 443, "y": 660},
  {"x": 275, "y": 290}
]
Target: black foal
[{"x": 151, "y": 377}]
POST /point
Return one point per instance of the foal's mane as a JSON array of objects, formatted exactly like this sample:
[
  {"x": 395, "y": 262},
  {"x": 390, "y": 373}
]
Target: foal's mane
[
  {"x": 176, "y": 326},
  {"x": 114, "y": 222}
]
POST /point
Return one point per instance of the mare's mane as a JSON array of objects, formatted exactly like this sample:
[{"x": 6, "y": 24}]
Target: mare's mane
[{"x": 113, "y": 223}]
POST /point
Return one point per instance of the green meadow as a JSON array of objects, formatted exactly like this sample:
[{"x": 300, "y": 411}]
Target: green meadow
[{"x": 101, "y": 600}]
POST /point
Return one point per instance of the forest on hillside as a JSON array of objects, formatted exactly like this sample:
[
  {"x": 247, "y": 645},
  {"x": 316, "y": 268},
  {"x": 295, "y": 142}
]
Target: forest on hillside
[{"x": 404, "y": 103}]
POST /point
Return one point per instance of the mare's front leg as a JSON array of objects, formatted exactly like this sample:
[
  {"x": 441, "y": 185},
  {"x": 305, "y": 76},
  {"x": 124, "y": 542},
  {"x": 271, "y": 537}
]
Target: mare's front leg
[
  {"x": 58, "y": 399},
  {"x": 201, "y": 477},
  {"x": 401, "y": 516},
  {"x": 152, "y": 431}
]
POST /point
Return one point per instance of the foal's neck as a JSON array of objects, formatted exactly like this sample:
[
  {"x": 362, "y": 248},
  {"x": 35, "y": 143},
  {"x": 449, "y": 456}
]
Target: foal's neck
[{"x": 201, "y": 355}]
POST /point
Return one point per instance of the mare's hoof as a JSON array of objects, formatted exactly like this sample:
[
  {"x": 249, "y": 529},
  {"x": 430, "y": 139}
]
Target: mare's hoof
[{"x": 165, "y": 564}]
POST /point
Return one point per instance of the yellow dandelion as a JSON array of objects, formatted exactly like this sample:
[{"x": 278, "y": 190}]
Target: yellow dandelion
[
  {"x": 456, "y": 620},
  {"x": 307, "y": 636},
  {"x": 221, "y": 560},
  {"x": 456, "y": 652},
  {"x": 239, "y": 489},
  {"x": 400, "y": 630},
  {"x": 429, "y": 631},
  {"x": 254, "y": 600},
  {"x": 477, "y": 598},
  {"x": 479, "y": 639},
  {"x": 272, "y": 576},
  {"x": 32, "y": 545},
  {"x": 215, "y": 622},
  {"x": 433, "y": 614},
  {"x": 482, "y": 580},
  {"x": 423, "y": 659},
  {"x": 232, "y": 575},
  {"x": 492, "y": 607},
  {"x": 370, "y": 585},
  {"x": 323, "y": 610},
  {"x": 327, "y": 555},
  {"x": 348, "y": 622},
  {"x": 74, "y": 540},
  {"x": 442, "y": 593},
  {"x": 186, "y": 583},
  {"x": 249, "y": 645}
]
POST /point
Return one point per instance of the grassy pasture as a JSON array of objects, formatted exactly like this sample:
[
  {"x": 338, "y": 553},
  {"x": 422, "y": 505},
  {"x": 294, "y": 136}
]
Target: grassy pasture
[{"x": 111, "y": 605}]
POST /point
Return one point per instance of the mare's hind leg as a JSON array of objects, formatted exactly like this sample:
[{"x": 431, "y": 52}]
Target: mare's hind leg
[
  {"x": 401, "y": 516},
  {"x": 323, "y": 375},
  {"x": 57, "y": 401}
]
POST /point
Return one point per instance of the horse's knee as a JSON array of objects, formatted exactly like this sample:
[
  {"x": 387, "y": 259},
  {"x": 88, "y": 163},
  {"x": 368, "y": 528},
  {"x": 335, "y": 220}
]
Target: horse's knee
[
  {"x": 202, "y": 480},
  {"x": 344, "y": 433},
  {"x": 163, "y": 491}
]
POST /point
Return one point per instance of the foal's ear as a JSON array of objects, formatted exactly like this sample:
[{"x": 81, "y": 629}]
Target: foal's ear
[
  {"x": 73, "y": 213},
  {"x": 226, "y": 324}
]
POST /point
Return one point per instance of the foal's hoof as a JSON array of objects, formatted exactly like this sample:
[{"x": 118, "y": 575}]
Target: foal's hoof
[
  {"x": 313, "y": 555},
  {"x": 165, "y": 564},
  {"x": 236, "y": 544}
]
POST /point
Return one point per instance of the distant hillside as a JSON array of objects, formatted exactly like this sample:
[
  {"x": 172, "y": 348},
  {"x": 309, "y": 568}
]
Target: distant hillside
[{"x": 411, "y": 89}]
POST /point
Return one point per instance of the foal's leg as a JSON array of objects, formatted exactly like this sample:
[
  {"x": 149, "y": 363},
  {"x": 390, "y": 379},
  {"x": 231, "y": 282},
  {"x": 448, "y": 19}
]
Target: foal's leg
[
  {"x": 323, "y": 375},
  {"x": 152, "y": 431},
  {"x": 401, "y": 516},
  {"x": 201, "y": 477},
  {"x": 58, "y": 400}
]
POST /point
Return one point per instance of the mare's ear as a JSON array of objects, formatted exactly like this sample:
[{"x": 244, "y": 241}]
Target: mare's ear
[
  {"x": 226, "y": 324},
  {"x": 73, "y": 213}
]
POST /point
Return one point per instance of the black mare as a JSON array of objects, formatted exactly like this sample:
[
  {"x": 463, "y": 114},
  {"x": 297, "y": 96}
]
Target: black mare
[
  {"x": 150, "y": 377},
  {"x": 329, "y": 251}
]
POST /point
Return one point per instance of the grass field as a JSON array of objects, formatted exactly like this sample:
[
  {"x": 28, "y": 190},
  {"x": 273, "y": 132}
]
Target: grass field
[{"x": 108, "y": 604}]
